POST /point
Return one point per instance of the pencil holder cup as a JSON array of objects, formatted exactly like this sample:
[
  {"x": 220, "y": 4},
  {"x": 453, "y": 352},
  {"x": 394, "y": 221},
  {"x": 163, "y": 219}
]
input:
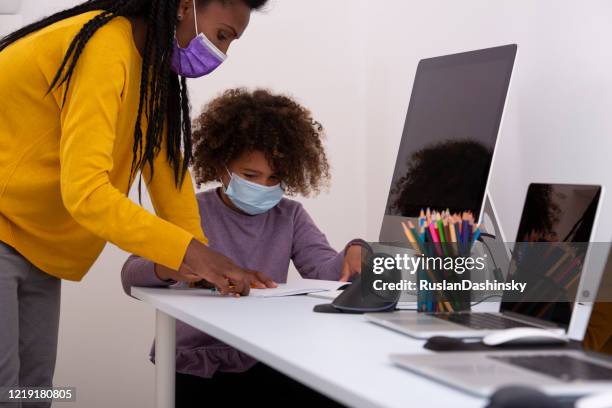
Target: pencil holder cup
[{"x": 440, "y": 278}]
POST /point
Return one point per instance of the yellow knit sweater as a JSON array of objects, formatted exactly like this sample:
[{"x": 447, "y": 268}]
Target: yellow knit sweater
[{"x": 64, "y": 172}]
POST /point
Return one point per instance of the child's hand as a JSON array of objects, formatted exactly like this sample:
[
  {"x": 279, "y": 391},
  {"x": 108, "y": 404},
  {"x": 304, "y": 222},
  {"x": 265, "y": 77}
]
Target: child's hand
[
  {"x": 260, "y": 280},
  {"x": 352, "y": 263}
]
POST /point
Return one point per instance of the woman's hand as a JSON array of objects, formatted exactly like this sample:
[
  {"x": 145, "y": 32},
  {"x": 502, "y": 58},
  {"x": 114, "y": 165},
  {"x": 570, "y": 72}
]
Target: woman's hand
[
  {"x": 352, "y": 263},
  {"x": 201, "y": 262},
  {"x": 260, "y": 280},
  {"x": 166, "y": 274}
]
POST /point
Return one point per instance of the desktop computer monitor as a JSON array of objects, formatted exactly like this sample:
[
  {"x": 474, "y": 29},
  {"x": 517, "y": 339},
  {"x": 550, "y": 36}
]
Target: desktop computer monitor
[{"x": 449, "y": 135}]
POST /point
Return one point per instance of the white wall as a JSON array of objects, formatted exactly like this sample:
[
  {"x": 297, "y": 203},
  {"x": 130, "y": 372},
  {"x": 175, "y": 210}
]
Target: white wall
[
  {"x": 557, "y": 126},
  {"x": 312, "y": 51},
  {"x": 353, "y": 62},
  {"x": 306, "y": 49}
]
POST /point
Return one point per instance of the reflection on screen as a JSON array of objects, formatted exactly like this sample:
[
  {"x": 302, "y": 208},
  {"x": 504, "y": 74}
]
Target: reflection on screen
[
  {"x": 450, "y": 132},
  {"x": 598, "y": 335},
  {"x": 551, "y": 246}
]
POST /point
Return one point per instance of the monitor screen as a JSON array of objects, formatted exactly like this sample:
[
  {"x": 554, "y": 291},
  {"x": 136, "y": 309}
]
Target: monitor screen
[
  {"x": 550, "y": 249},
  {"x": 449, "y": 134}
]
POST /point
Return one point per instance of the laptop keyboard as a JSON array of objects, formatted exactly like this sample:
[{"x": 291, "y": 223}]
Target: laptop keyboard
[
  {"x": 562, "y": 367},
  {"x": 481, "y": 321}
]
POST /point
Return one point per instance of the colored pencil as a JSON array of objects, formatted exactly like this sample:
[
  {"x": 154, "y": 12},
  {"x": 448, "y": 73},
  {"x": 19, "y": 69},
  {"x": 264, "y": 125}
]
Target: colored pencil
[{"x": 410, "y": 237}]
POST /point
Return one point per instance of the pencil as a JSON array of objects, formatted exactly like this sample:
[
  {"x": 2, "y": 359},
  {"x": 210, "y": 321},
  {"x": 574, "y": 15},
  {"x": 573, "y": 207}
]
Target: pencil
[
  {"x": 434, "y": 234},
  {"x": 476, "y": 234},
  {"x": 410, "y": 237},
  {"x": 452, "y": 232},
  {"x": 465, "y": 229},
  {"x": 458, "y": 231},
  {"x": 440, "y": 226},
  {"x": 452, "y": 237},
  {"x": 435, "y": 238},
  {"x": 415, "y": 233}
]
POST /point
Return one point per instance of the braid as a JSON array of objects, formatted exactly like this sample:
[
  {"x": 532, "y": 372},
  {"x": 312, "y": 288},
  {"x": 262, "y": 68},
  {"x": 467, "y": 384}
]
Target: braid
[
  {"x": 169, "y": 96},
  {"x": 175, "y": 122},
  {"x": 188, "y": 146},
  {"x": 163, "y": 98},
  {"x": 143, "y": 103},
  {"x": 150, "y": 49},
  {"x": 161, "y": 69}
]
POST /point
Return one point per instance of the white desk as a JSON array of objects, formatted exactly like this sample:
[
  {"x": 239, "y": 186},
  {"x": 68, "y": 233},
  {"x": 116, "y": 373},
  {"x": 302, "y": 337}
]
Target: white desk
[{"x": 341, "y": 356}]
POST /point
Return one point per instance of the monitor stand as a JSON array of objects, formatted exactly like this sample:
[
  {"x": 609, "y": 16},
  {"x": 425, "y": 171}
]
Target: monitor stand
[{"x": 498, "y": 245}]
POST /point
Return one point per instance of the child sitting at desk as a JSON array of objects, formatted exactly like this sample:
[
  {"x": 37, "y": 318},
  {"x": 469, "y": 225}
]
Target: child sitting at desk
[{"x": 260, "y": 146}]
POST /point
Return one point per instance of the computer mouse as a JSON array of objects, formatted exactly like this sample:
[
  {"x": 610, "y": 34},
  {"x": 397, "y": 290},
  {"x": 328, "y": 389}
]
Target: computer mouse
[
  {"x": 524, "y": 335},
  {"x": 443, "y": 343},
  {"x": 595, "y": 401},
  {"x": 521, "y": 397}
]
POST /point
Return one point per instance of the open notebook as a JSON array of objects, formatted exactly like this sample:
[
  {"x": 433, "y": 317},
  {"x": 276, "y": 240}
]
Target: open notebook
[{"x": 298, "y": 287}]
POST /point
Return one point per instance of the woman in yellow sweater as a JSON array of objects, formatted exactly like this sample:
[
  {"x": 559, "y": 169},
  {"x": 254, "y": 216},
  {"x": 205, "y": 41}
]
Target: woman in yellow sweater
[{"x": 90, "y": 98}]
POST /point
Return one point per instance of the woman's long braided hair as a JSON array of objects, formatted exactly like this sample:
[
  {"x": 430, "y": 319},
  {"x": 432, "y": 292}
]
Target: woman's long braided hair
[{"x": 163, "y": 95}]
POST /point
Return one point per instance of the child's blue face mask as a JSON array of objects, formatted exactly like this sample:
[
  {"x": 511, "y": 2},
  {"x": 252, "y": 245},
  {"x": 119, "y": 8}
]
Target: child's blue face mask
[{"x": 252, "y": 198}]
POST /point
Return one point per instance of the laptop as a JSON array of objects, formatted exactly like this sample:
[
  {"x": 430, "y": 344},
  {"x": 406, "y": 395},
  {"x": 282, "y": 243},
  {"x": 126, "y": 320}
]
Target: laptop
[
  {"x": 555, "y": 372},
  {"x": 552, "y": 212},
  {"x": 559, "y": 372}
]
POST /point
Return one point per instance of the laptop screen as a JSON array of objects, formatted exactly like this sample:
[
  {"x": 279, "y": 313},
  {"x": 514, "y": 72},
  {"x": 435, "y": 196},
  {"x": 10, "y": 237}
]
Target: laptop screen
[
  {"x": 598, "y": 335},
  {"x": 550, "y": 249}
]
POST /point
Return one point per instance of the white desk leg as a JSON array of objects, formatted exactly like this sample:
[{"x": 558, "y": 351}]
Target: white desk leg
[{"x": 165, "y": 360}]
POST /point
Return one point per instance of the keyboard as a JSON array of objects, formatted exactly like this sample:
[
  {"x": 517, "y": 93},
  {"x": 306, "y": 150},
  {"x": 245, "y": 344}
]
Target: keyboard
[
  {"x": 481, "y": 321},
  {"x": 562, "y": 367}
]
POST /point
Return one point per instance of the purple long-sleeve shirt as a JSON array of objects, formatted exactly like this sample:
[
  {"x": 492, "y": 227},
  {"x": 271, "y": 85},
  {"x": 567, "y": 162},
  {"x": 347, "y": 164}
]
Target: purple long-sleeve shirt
[{"x": 266, "y": 243}]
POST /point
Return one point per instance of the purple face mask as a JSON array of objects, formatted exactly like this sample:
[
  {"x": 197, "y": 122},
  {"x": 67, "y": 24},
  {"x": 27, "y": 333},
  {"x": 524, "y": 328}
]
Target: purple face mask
[{"x": 199, "y": 58}]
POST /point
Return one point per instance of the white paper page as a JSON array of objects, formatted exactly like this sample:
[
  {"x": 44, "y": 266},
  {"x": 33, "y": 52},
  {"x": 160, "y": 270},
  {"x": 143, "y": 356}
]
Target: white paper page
[
  {"x": 328, "y": 294},
  {"x": 297, "y": 287}
]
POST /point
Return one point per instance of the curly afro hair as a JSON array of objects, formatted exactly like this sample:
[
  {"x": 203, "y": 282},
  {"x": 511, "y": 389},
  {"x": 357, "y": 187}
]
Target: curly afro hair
[{"x": 240, "y": 121}]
